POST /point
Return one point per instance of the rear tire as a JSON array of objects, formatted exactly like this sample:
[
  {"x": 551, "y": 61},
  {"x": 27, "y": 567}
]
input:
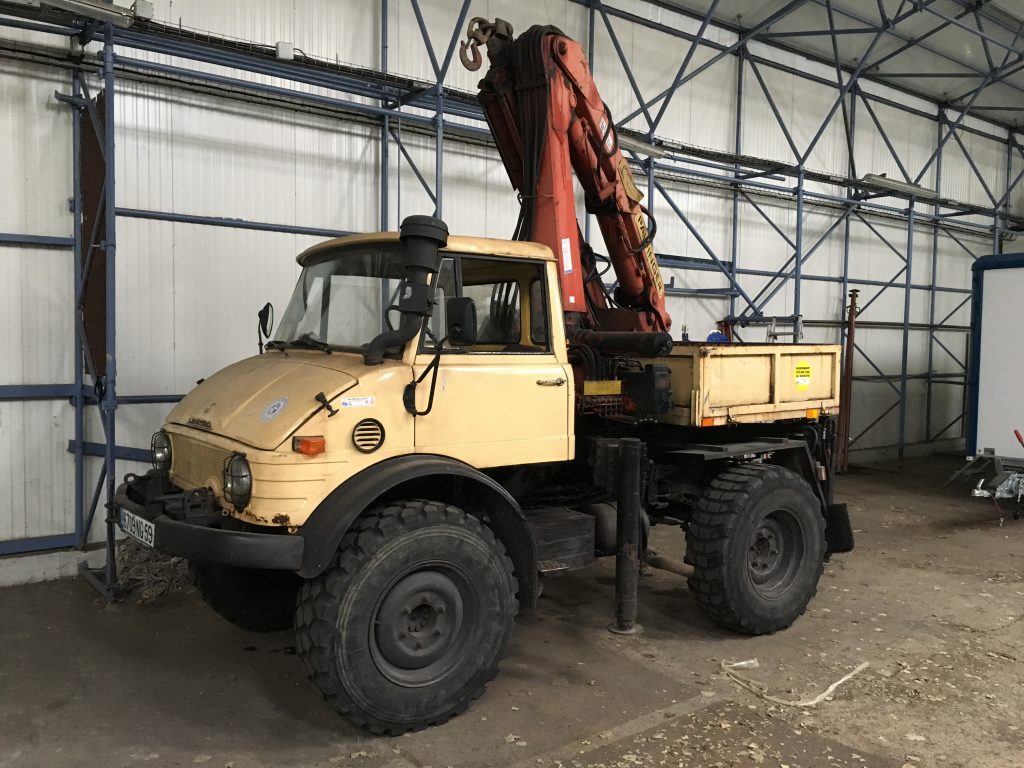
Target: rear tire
[
  {"x": 757, "y": 546},
  {"x": 409, "y": 625},
  {"x": 255, "y": 599}
]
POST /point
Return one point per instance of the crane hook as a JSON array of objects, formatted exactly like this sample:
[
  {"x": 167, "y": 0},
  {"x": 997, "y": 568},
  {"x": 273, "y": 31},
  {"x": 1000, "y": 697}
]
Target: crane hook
[
  {"x": 469, "y": 55},
  {"x": 479, "y": 31}
]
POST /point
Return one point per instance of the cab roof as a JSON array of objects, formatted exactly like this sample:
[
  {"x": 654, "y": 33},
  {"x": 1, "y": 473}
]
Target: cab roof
[{"x": 484, "y": 246}]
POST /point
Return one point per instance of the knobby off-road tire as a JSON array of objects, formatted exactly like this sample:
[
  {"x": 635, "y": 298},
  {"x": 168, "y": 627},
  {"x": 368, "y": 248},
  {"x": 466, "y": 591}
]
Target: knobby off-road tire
[
  {"x": 409, "y": 625},
  {"x": 757, "y": 546},
  {"x": 254, "y": 599}
]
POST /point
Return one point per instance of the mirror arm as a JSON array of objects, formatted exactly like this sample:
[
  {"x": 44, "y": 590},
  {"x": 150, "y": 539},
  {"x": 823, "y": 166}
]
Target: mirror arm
[{"x": 409, "y": 395}]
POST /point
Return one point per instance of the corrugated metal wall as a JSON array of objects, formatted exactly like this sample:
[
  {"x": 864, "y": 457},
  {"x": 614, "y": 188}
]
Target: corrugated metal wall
[{"x": 187, "y": 294}]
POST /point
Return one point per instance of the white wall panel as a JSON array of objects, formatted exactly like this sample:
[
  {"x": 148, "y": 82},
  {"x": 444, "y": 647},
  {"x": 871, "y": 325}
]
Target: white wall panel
[
  {"x": 35, "y": 152},
  {"x": 36, "y": 472}
]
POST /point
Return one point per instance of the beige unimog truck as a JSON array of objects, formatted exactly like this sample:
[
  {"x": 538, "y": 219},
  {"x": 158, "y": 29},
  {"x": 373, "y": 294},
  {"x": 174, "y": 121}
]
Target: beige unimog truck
[{"x": 419, "y": 442}]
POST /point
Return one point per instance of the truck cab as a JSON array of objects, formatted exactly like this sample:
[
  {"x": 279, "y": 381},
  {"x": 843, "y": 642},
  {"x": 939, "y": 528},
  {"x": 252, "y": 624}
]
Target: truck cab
[{"x": 309, "y": 413}]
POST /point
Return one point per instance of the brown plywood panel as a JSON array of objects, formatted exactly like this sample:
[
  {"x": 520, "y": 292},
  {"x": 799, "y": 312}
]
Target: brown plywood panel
[{"x": 93, "y": 231}]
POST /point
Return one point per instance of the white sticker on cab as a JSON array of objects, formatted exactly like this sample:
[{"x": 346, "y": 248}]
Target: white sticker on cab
[{"x": 357, "y": 402}]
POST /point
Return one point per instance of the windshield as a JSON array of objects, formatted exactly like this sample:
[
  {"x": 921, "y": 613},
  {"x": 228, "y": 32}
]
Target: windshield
[{"x": 342, "y": 298}]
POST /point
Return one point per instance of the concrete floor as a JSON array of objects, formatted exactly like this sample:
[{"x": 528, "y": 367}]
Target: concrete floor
[{"x": 933, "y": 598}]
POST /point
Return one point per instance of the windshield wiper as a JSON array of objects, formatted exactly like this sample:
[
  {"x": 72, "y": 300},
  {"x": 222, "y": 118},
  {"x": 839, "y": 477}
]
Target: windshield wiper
[{"x": 306, "y": 340}]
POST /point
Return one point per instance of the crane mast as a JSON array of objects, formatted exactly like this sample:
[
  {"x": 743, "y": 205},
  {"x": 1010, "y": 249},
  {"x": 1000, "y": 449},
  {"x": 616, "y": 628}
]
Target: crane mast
[{"x": 549, "y": 121}]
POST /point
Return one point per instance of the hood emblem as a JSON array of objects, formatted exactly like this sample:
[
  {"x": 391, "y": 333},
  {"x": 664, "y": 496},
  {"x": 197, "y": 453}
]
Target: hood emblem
[
  {"x": 200, "y": 423},
  {"x": 273, "y": 409}
]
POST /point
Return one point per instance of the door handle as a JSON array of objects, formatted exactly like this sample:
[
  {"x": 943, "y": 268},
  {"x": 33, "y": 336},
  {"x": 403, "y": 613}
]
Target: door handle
[{"x": 551, "y": 382}]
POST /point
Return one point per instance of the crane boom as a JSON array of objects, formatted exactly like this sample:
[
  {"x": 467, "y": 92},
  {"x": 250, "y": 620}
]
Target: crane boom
[{"x": 548, "y": 120}]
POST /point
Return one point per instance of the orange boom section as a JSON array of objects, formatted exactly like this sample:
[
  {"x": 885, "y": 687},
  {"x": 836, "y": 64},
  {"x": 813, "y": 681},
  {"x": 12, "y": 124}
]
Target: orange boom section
[{"x": 549, "y": 121}]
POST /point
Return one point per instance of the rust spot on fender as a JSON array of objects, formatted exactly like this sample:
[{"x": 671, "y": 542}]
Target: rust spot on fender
[{"x": 282, "y": 520}]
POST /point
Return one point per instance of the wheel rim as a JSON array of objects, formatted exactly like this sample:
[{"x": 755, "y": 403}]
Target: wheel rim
[
  {"x": 423, "y": 624},
  {"x": 775, "y": 552}
]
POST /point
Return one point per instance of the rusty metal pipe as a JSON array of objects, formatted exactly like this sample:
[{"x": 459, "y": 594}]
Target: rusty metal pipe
[{"x": 669, "y": 564}]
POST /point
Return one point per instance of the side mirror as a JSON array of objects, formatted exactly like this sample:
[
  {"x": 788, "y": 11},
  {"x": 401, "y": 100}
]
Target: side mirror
[
  {"x": 461, "y": 317},
  {"x": 266, "y": 317}
]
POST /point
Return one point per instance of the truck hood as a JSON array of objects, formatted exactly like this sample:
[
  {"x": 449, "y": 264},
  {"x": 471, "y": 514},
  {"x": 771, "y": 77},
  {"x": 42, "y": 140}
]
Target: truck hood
[{"x": 262, "y": 400}]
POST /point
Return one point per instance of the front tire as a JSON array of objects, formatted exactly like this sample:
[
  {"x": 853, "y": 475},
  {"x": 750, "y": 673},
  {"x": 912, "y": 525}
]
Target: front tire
[
  {"x": 409, "y": 625},
  {"x": 757, "y": 546}
]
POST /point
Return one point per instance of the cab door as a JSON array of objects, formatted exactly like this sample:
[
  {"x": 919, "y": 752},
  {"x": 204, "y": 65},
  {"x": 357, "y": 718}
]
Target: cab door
[{"x": 507, "y": 399}]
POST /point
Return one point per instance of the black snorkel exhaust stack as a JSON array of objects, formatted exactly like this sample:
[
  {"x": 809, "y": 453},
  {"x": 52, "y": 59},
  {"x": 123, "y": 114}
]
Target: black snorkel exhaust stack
[{"x": 422, "y": 238}]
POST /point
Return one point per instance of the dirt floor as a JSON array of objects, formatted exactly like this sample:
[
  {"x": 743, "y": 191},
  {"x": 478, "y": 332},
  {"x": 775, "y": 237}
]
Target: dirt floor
[{"x": 932, "y": 599}]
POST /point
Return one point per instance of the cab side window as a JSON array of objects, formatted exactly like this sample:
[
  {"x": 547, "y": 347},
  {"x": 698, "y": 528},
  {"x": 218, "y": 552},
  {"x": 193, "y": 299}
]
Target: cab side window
[
  {"x": 510, "y": 310},
  {"x": 498, "y": 312}
]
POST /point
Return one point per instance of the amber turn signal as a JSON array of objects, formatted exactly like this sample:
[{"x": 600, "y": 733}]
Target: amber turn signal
[{"x": 311, "y": 446}]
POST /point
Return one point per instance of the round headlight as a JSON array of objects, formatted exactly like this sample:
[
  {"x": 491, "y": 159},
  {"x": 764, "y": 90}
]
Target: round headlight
[
  {"x": 160, "y": 449},
  {"x": 237, "y": 481}
]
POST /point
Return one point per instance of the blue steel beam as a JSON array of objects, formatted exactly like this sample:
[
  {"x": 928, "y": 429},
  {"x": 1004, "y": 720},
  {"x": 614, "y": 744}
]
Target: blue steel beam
[
  {"x": 839, "y": 79},
  {"x": 905, "y": 350},
  {"x": 682, "y": 70},
  {"x": 874, "y": 366},
  {"x": 772, "y": 287},
  {"x": 947, "y": 350},
  {"x": 932, "y": 295},
  {"x": 36, "y": 241},
  {"x": 977, "y": 31},
  {"x": 81, "y": 535},
  {"x": 724, "y": 51},
  {"x": 36, "y": 391},
  {"x": 885, "y": 137},
  {"x": 914, "y": 41},
  {"x": 120, "y": 451},
  {"x": 977, "y": 173},
  {"x": 644, "y": 107},
  {"x": 862, "y": 308},
  {"x": 775, "y": 110},
  {"x": 984, "y": 39},
  {"x": 702, "y": 242},
  {"x": 412, "y": 165},
  {"x": 736, "y": 191},
  {"x": 880, "y": 236},
  {"x": 230, "y": 223},
  {"x": 768, "y": 220},
  {"x": 37, "y": 544},
  {"x": 964, "y": 111},
  {"x": 851, "y": 14},
  {"x": 845, "y": 88}
]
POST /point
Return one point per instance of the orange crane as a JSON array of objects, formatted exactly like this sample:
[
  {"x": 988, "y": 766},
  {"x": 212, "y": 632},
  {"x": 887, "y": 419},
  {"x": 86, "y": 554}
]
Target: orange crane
[{"x": 548, "y": 117}]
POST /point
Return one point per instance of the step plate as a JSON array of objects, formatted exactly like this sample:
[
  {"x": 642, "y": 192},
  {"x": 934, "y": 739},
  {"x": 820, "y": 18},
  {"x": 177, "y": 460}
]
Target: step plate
[{"x": 565, "y": 538}]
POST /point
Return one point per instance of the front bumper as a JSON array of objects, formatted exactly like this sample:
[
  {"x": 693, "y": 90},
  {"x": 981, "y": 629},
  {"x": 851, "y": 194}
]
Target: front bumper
[{"x": 153, "y": 499}]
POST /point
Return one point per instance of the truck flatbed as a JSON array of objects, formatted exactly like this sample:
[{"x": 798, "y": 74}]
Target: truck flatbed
[{"x": 744, "y": 383}]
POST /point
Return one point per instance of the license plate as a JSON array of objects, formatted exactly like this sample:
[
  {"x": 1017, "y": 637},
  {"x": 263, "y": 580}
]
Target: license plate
[{"x": 139, "y": 529}]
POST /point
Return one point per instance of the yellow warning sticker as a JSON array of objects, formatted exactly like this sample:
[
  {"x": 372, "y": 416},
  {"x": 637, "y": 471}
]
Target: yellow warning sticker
[{"x": 802, "y": 375}]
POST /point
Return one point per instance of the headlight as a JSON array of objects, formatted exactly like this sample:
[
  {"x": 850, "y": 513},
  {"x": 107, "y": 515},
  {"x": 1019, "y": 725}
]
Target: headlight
[
  {"x": 237, "y": 481},
  {"x": 160, "y": 449}
]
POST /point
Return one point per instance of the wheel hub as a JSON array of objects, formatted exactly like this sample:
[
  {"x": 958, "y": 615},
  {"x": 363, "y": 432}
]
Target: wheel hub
[
  {"x": 418, "y": 621},
  {"x": 774, "y": 553},
  {"x": 764, "y": 549}
]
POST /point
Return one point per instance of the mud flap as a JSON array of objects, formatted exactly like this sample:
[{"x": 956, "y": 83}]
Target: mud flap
[{"x": 838, "y": 531}]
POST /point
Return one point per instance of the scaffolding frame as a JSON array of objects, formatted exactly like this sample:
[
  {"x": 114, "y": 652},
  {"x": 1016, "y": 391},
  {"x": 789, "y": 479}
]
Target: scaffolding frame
[{"x": 399, "y": 105}]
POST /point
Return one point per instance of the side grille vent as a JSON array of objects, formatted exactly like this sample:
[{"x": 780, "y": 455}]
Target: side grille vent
[{"x": 368, "y": 435}]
